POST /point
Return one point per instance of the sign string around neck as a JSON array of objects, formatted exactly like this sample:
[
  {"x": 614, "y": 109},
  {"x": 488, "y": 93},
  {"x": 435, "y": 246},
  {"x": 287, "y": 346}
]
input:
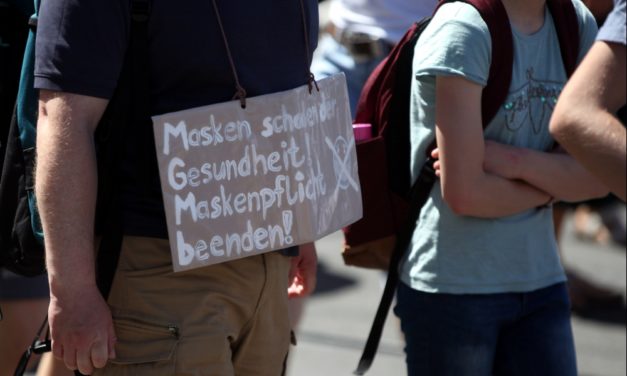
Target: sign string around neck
[{"x": 240, "y": 92}]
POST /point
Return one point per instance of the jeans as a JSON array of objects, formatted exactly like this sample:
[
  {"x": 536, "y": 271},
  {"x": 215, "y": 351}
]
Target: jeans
[
  {"x": 506, "y": 334},
  {"x": 331, "y": 58}
]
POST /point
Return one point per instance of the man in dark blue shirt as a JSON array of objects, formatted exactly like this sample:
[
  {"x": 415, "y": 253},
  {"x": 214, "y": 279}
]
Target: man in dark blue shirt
[{"x": 225, "y": 319}]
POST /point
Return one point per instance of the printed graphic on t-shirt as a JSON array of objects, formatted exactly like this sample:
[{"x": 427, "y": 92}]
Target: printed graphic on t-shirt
[{"x": 532, "y": 103}]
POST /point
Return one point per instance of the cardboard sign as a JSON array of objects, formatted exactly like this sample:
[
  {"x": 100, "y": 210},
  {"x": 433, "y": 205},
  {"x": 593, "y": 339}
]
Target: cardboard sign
[{"x": 240, "y": 182}]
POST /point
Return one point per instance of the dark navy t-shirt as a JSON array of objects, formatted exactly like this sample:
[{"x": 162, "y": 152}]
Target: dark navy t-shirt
[{"x": 81, "y": 47}]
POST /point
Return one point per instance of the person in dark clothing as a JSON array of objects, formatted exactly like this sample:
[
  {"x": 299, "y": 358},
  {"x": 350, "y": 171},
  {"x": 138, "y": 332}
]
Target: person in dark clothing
[{"x": 225, "y": 319}]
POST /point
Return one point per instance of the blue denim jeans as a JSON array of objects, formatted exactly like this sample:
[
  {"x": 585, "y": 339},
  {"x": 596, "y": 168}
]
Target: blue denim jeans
[{"x": 507, "y": 334}]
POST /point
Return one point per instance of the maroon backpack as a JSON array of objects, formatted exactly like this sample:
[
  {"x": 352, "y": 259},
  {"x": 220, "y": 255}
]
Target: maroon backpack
[{"x": 381, "y": 237}]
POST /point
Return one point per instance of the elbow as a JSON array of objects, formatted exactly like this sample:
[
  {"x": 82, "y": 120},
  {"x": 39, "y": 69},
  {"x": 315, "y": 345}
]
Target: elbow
[
  {"x": 459, "y": 201},
  {"x": 599, "y": 190},
  {"x": 564, "y": 122},
  {"x": 558, "y": 125},
  {"x": 592, "y": 190},
  {"x": 559, "y": 132}
]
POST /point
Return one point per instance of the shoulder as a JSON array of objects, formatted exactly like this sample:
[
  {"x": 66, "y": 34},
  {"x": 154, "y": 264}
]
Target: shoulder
[
  {"x": 457, "y": 21},
  {"x": 456, "y": 42},
  {"x": 460, "y": 13},
  {"x": 96, "y": 30}
]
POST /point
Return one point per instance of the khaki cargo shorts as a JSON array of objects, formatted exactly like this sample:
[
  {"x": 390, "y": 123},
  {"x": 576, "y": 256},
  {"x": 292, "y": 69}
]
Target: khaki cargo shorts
[{"x": 227, "y": 319}]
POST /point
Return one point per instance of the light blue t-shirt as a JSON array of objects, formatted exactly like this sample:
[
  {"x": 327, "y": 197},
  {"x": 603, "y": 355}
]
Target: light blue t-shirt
[
  {"x": 613, "y": 29},
  {"x": 458, "y": 254}
]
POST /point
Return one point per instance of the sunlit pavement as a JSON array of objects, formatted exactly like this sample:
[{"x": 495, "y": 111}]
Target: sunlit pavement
[{"x": 337, "y": 318}]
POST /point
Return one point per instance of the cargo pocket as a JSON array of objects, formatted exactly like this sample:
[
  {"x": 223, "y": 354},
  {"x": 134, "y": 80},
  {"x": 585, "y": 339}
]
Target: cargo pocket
[{"x": 144, "y": 348}]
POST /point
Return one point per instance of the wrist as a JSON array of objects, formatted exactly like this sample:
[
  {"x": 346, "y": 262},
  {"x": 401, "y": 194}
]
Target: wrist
[
  {"x": 63, "y": 283},
  {"x": 520, "y": 155}
]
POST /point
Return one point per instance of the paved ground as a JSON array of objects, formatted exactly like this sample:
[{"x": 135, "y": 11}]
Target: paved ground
[{"x": 338, "y": 317}]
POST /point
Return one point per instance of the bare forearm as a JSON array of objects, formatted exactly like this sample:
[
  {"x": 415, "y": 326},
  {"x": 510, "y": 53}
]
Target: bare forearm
[
  {"x": 556, "y": 173},
  {"x": 472, "y": 190},
  {"x": 491, "y": 196},
  {"x": 467, "y": 187},
  {"x": 600, "y": 148},
  {"x": 583, "y": 120},
  {"x": 66, "y": 191}
]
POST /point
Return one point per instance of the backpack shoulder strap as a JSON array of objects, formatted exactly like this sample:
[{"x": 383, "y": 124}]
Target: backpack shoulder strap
[
  {"x": 129, "y": 103},
  {"x": 26, "y": 116},
  {"x": 376, "y": 92},
  {"x": 27, "y": 95},
  {"x": 494, "y": 15},
  {"x": 567, "y": 28},
  {"x": 500, "y": 76}
]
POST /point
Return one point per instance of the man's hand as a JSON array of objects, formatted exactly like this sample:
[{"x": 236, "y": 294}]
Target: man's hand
[
  {"x": 82, "y": 330},
  {"x": 302, "y": 277},
  {"x": 66, "y": 188}
]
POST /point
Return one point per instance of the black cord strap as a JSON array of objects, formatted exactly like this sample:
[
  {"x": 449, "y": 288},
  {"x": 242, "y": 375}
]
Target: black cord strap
[{"x": 240, "y": 92}]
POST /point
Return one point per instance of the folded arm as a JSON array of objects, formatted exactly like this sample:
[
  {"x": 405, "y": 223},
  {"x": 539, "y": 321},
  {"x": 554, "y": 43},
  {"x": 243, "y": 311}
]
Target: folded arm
[
  {"x": 556, "y": 172},
  {"x": 66, "y": 183},
  {"x": 466, "y": 187}
]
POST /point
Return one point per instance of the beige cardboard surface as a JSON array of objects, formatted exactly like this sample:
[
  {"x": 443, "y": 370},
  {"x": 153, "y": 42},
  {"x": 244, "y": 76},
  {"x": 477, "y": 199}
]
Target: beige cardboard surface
[{"x": 238, "y": 182}]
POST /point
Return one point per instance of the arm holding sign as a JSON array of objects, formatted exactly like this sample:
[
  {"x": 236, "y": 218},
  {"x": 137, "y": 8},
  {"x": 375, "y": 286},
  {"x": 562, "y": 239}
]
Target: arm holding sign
[{"x": 80, "y": 321}]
